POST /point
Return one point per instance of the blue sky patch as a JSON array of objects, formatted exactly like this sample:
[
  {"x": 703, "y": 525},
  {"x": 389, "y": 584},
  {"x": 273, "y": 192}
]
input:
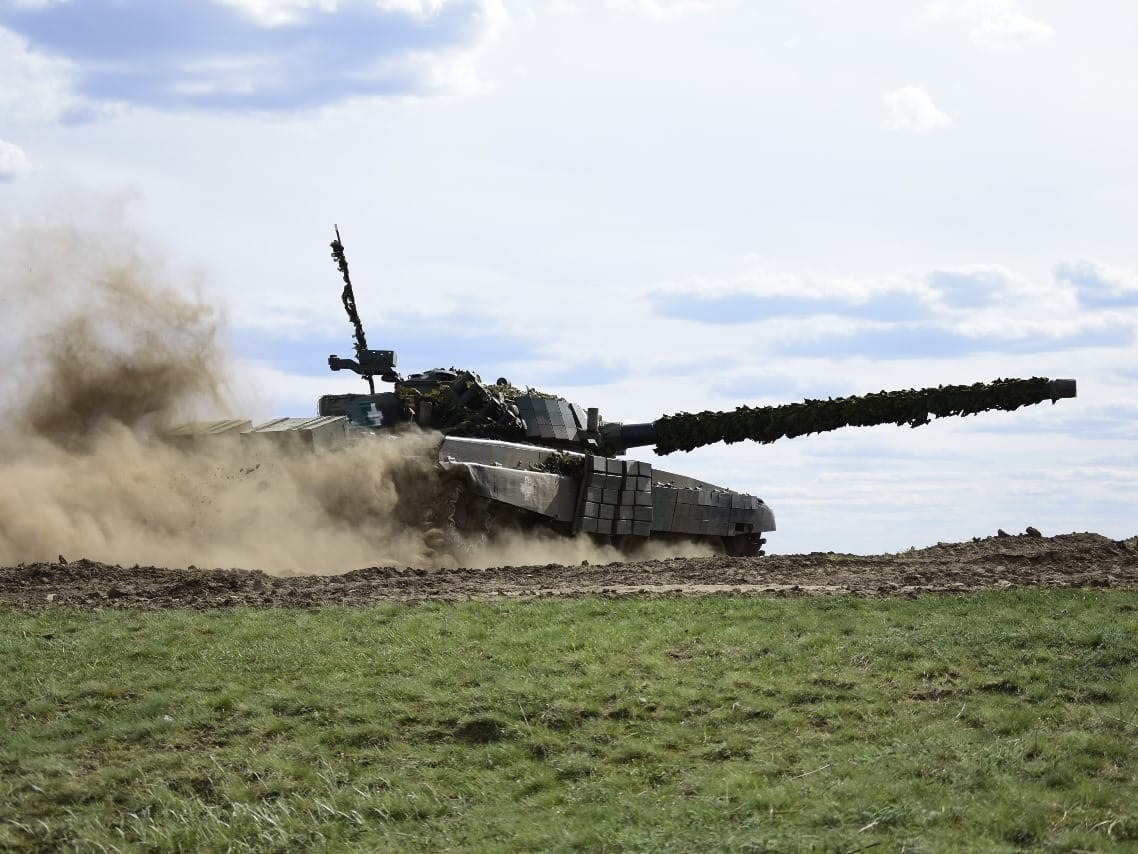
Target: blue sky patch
[
  {"x": 1115, "y": 422},
  {"x": 482, "y": 349},
  {"x": 893, "y": 306},
  {"x": 748, "y": 388},
  {"x": 193, "y": 53},
  {"x": 585, "y": 371},
  {"x": 968, "y": 288},
  {"x": 1096, "y": 286},
  {"x": 924, "y": 341}
]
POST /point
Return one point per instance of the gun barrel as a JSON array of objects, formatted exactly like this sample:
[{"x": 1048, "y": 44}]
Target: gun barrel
[
  {"x": 637, "y": 435},
  {"x": 1062, "y": 388},
  {"x": 915, "y": 407}
]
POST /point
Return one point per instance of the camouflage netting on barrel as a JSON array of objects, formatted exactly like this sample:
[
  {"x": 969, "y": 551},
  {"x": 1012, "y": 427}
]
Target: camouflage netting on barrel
[{"x": 686, "y": 431}]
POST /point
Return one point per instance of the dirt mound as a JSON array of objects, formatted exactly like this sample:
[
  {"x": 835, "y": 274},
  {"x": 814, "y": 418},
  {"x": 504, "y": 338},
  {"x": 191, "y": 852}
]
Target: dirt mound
[{"x": 1070, "y": 560}]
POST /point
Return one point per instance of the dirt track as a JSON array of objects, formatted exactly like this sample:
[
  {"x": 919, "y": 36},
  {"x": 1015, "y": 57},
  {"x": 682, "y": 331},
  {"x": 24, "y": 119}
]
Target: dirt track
[{"x": 1070, "y": 560}]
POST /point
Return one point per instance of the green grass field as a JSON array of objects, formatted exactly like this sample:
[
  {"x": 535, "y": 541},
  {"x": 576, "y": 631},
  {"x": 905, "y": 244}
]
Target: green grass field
[{"x": 993, "y": 721}]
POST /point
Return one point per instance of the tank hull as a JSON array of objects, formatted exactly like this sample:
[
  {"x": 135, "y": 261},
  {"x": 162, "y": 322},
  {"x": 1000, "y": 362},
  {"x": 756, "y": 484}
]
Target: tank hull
[{"x": 604, "y": 496}]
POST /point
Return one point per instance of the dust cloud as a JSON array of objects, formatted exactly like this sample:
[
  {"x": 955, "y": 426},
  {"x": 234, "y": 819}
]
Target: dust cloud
[
  {"x": 98, "y": 336},
  {"x": 104, "y": 349}
]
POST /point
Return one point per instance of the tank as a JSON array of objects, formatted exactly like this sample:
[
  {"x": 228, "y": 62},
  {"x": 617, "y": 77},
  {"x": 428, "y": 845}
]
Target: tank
[{"x": 539, "y": 459}]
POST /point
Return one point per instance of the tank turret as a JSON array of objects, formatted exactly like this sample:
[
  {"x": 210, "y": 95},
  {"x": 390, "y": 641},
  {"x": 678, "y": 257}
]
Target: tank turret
[{"x": 457, "y": 403}]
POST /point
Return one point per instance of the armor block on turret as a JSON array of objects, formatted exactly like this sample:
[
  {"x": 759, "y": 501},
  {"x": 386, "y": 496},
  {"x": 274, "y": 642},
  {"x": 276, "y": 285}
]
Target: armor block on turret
[{"x": 550, "y": 418}]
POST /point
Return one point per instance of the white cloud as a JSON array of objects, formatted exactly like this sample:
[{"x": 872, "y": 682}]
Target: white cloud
[
  {"x": 1099, "y": 285},
  {"x": 456, "y": 72},
  {"x": 274, "y": 13},
  {"x": 657, "y": 9},
  {"x": 418, "y": 8},
  {"x": 911, "y": 109},
  {"x": 662, "y": 9},
  {"x": 974, "y": 286},
  {"x": 60, "y": 61},
  {"x": 945, "y": 313},
  {"x": 35, "y": 87},
  {"x": 765, "y": 276},
  {"x": 1010, "y": 30},
  {"x": 996, "y": 24},
  {"x": 13, "y": 161}
]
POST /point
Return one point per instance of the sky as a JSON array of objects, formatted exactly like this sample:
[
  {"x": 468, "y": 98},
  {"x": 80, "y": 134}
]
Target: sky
[{"x": 649, "y": 206}]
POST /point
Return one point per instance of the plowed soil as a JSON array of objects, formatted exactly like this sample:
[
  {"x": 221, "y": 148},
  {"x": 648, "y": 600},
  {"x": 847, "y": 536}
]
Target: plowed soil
[{"x": 1070, "y": 560}]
